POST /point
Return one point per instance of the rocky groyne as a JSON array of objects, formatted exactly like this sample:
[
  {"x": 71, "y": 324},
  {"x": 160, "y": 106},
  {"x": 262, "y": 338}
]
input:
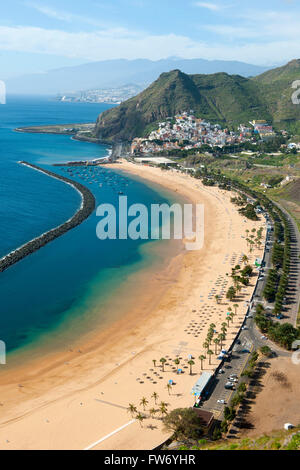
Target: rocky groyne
[{"x": 86, "y": 208}]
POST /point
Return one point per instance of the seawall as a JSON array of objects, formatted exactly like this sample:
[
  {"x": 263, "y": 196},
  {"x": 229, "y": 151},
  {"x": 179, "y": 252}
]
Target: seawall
[{"x": 86, "y": 208}]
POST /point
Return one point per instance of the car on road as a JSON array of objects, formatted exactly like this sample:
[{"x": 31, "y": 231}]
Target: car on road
[
  {"x": 244, "y": 328},
  {"x": 263, "y": 337},
  {"x": 229, "y": 386},
  {"x": 221, "y": 371}
]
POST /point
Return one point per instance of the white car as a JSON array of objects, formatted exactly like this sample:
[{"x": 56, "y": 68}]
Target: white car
[
  {"x": 223, "y": 402},
  {"x": 263, "y": 337},
  {"x": 233, "y": 379}
]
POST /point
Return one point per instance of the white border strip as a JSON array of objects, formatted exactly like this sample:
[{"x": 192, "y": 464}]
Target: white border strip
[{"x": 109, "y": 435}]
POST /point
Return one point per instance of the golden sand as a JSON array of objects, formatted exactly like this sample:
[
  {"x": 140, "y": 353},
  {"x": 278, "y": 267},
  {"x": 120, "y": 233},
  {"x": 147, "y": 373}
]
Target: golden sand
[{"x": 72, "y": 399}]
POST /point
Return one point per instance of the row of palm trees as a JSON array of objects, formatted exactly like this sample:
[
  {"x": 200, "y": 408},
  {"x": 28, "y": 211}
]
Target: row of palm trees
[
  {"x": 140, "y": 417},
  {"x": 219, "y": 340},
  {"x": 253, "y": 241}
]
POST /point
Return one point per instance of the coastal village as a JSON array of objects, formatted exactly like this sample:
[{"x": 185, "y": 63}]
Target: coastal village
[{"x": 186, "y": 132}]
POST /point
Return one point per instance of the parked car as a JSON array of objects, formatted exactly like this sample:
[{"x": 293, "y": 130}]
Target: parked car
[
  {"x": 223, "y": 402},
  {"x": 229, "y": 386}
]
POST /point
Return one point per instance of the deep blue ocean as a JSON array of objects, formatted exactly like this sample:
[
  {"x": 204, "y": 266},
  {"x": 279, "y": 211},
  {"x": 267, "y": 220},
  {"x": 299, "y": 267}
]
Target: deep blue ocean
[{"x": 65, "y": 281}]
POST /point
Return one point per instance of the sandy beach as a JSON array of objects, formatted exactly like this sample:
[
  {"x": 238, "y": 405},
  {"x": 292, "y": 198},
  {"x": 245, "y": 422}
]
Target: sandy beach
[{"x": 78, "y": 398}]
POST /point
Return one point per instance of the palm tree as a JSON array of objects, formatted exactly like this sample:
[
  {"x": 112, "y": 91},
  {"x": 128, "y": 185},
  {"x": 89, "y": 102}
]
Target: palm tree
[
  {"x": 209, "y": 337},
  {"x": 132, "y": 409},
  {"x": 222, "y": 338},
  {"x": 140, "y": 418},
  {"x": 217, "y": 297},
  {"x": 163, "y": 408},
  {"x": 206, "y": 345},
  {"x": 163, "y": 361},
  {"x": 235, "y": 306},
  {"x": 191, "y": 363},
  {"x": 154, "y": 362},
  {"x": 245, "y": 259},
  {"x": 238, "y": 287},
  {"x": 144, "y": 402},
  {"x": 155, "y": 396},
  {"x": 169, "y": 387},
  {"x": 177, "y": 362},
  {"x": 210, "y": 353},
  {"x": 202, "y": 358},
  {"x": 224, "y": 328},
  {"x": 152, "y": 412},
  {"x": 216, "y": 341}
]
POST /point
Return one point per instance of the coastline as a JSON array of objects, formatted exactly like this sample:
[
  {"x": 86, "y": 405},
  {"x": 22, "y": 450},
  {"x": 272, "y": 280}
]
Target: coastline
[
  {"x": 77, "y": 131},
  {"x": 110, "y": 363}
]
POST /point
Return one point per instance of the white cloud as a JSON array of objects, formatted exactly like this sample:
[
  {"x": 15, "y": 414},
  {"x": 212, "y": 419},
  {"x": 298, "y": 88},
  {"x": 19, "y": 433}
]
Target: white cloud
[
  {"x": 116, "y": 43},
  {"x": 51, "y": 13},
  {"x": 208, "y": 6},
  {"x": 265, "y": 26},
  {"x": 62, "y": 15}
]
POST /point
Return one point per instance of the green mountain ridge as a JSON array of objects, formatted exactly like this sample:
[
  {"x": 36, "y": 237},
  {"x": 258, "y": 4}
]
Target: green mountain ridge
[{"x": 226, "y": 99}]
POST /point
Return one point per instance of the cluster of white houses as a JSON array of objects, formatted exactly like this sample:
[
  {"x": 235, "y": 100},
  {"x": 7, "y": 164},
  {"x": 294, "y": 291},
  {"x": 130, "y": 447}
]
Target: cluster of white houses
[{"x": 186, "y": 132}]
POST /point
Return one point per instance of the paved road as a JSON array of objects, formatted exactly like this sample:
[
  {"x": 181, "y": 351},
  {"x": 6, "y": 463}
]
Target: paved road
[
  {"x": 248, "y": 340},
  {"x": 293, "y": 296}
]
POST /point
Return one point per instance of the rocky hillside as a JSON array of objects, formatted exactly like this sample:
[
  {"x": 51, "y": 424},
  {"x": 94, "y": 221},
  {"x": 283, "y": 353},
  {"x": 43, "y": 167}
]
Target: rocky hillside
[{"x": 223, "y": 98}]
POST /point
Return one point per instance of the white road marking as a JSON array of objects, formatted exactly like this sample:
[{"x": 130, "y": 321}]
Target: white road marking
[{"x": 109, "y": 435}]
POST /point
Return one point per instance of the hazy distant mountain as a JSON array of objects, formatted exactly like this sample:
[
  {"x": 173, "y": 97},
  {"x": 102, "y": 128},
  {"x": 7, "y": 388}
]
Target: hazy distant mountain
[
  {"x": 115, "y": 73},
  {"x": 220, "y": 97}
]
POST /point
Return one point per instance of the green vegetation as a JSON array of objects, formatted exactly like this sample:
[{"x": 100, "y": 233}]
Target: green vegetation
[
  {"x": 249, "y": 212},
  {"x": 222, "y": 98},
  {"x": 283, "y": 334},
  {"x": 183, "y": 423},
  {"x": 277, "y": 280},
  {"x": 276, "y": 440}
]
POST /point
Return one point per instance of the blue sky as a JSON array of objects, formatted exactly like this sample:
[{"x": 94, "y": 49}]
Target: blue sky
[{"x": 37, "y": 35}]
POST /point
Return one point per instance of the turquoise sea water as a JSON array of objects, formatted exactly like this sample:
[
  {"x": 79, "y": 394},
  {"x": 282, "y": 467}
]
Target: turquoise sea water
[{"x": 64, "y": 284}]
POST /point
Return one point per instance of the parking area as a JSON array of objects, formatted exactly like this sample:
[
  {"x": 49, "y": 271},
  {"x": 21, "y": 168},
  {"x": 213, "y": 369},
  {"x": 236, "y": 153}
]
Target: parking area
[{"x": 217, "y": 391}]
